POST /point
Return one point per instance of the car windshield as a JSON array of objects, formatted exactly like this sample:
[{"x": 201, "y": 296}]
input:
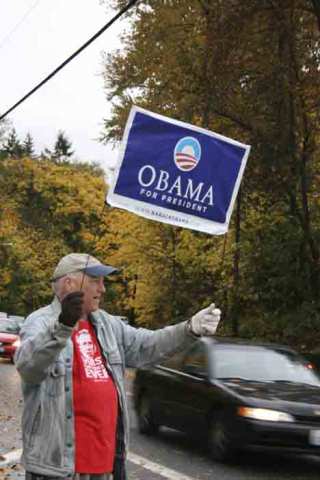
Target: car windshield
[{"x": 261, "y": 364}]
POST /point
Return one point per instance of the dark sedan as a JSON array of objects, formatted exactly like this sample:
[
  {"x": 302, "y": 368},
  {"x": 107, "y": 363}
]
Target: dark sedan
[{"x": 237, "y": 394}]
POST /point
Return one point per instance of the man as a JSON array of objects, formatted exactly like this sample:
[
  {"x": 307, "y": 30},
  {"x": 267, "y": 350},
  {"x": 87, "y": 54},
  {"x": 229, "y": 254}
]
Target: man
[{"x": 72, "y": 362}]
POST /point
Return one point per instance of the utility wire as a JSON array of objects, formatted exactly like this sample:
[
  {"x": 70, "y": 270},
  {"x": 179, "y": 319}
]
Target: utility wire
[
  {"x": 63, "y": 64},
  {"x": 17, "y": 25}
]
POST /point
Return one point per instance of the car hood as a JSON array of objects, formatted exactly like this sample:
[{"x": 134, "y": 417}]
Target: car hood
[
  {"x": 8, "y": 337},
  {"x": 274, "y": 391}
]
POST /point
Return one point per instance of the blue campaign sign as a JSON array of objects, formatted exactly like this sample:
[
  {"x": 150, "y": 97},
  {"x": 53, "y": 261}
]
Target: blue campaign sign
[{"x": 177, "y": 173}]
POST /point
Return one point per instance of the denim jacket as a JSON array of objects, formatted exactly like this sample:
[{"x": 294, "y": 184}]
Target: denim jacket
[{"x": 44, "y": 361}]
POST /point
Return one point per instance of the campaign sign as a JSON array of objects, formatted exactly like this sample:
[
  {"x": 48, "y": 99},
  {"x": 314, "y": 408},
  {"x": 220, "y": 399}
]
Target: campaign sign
[{"x": 177, "y": 173}]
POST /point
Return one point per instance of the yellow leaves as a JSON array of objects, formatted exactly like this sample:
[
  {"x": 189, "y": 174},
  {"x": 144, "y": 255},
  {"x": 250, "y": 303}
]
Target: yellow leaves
[
  {"x": 160, "y": 264},
  {"x": 50, "y": 211},
  {"x": 5, "y": 278}
]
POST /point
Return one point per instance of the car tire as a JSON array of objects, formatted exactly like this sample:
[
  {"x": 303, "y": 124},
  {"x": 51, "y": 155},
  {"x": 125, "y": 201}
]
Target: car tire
[
  {"x": 146, "y": 424},
  {"x": 219, "y": 438}
]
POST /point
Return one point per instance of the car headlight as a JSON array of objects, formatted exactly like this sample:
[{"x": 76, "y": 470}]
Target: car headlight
[
  {"x": 17, "y": 343},
  {"x": 264, "y": 414}
]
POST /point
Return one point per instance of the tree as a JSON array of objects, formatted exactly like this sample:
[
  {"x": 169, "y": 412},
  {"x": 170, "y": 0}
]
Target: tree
[
  {"x": 4, "y": 125},
  {"x": 12, "y": 146},
  {"x": 62, "y": 148},
  {"x": 49, "y": 210},
  {"x": 249, "y": 70},
  {"x": 166, "y": 272},
  {"x": 28, "y": 146},
  {"x": 316, "y": 6}
]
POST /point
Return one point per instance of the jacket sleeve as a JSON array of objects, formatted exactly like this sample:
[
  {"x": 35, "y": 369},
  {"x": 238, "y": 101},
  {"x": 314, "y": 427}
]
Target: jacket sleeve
[
  {"x": 142, "y": 346},
  {"x": 41, "y": 342}
]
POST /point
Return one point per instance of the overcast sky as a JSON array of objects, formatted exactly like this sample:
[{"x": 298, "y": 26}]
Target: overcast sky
[{"x": 35, "y": 37}]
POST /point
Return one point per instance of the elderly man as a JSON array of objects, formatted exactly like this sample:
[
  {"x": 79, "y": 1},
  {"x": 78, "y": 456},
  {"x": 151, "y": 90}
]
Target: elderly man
[{"x": 72, "y": 361}]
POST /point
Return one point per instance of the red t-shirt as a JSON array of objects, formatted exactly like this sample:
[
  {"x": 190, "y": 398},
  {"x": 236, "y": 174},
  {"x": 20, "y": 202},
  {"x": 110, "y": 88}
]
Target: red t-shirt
[{"x": 95, "y": 404}]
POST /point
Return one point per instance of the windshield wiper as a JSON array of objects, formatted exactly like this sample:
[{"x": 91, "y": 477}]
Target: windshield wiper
[
  {"x": 293, "y": 382},
  {"x": 242, "y": 379},
  {"x": 284, "y": 381}
]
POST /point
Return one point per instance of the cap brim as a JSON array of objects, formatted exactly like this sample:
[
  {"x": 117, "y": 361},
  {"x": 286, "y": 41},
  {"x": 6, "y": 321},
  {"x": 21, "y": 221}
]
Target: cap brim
[{"x": 100, "y": 270}]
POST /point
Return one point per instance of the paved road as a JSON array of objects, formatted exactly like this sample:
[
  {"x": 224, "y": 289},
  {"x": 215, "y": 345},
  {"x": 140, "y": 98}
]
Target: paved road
[
  {"x": 167, "y": 456},
  {"x": 10, "y": 407}
]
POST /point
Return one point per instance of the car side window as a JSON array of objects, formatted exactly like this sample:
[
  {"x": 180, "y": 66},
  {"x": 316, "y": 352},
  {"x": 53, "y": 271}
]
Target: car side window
[{"x": 196, "y": 361}]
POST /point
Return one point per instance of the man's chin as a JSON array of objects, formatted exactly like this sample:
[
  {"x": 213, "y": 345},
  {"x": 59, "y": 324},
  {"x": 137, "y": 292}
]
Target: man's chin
[
  {"x": 95, "y": 307},
  {"x": 92, "y": 309}
]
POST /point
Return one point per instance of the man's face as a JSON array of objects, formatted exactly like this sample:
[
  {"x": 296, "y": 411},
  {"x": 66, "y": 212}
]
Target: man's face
[{"x": 93, "y": 289}]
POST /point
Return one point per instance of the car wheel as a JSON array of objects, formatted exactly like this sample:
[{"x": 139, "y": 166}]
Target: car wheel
[
  {"x": 220, "y": 444},
  {"x": 145, "y": 421}
]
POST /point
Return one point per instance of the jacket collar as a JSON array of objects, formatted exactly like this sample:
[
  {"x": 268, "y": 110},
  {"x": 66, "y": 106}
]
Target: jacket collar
[{"x": 56, "y": 306}]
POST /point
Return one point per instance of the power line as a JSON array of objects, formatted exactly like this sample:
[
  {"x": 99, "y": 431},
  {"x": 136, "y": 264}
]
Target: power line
[
  {"x": 63, "y": 64},
  {"x": 20, "y": 22}
]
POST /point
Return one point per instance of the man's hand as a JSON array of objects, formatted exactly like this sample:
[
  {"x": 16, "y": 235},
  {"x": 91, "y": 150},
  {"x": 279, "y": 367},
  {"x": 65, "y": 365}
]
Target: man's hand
[
  {"x": 205, "y": 322},
  {"x": 71, "y": 308}
]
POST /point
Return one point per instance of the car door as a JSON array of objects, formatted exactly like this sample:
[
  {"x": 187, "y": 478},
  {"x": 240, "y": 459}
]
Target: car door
[
  {"x": 167, "y": 382},
  {"x": 187, "y": 397},
  {"x": 196, "y": 394}
]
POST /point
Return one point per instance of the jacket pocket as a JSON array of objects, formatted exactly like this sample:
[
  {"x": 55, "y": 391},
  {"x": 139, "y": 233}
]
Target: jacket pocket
[
  {"x": 114, "y": 358},
  {"x": 55, "y": 381}
]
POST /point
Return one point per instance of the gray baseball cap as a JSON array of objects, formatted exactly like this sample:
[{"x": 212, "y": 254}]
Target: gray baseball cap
[{"x": 81, "y": 262}]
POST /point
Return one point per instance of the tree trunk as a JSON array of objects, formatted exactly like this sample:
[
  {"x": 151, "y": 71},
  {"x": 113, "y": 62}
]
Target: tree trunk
[{"x": 316, "y": 6}]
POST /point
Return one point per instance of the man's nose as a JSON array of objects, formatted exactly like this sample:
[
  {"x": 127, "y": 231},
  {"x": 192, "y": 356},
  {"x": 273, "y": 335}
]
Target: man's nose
[{"x": 102, "y": 288}]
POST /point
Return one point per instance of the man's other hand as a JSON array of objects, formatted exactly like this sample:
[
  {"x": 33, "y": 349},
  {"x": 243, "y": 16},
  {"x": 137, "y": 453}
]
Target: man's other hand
[
  {"x": 71, "y": 308},
  {"x": 206, "y": 321}
]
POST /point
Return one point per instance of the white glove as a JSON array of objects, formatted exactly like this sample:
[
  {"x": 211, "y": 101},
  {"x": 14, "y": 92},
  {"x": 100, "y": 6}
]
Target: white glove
[{"x": 205, "y": 322}]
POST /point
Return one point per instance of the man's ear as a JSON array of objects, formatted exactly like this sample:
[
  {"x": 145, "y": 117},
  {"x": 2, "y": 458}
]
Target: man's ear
[{"x": 68, "y": 285}]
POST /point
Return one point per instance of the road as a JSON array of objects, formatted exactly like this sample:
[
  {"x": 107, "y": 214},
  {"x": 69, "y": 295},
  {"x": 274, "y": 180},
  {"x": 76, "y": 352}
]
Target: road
[{"x": 169, "y": 455}]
